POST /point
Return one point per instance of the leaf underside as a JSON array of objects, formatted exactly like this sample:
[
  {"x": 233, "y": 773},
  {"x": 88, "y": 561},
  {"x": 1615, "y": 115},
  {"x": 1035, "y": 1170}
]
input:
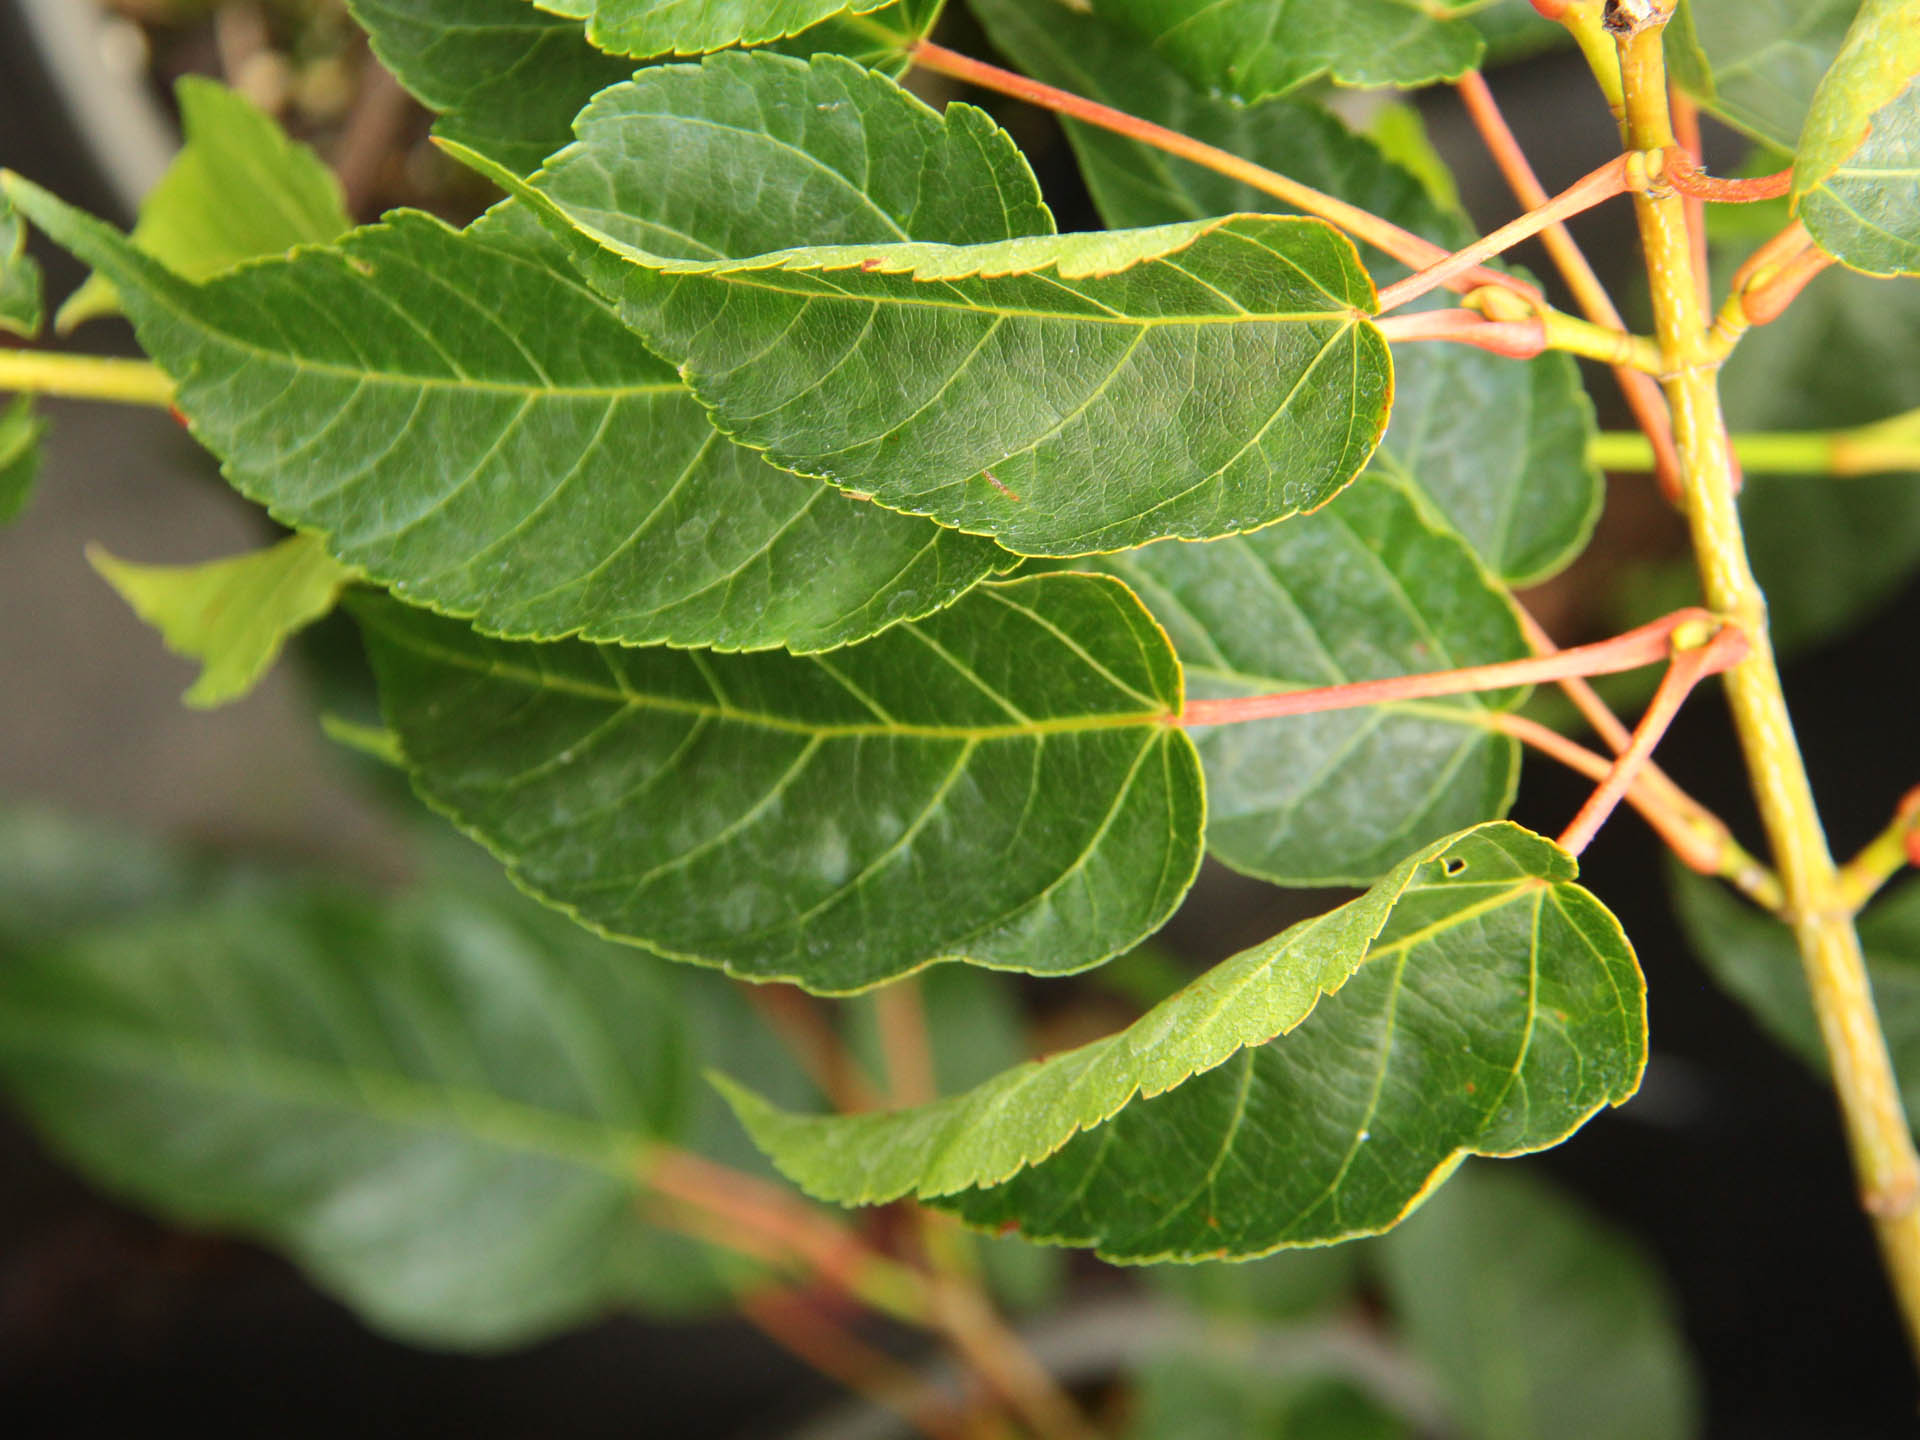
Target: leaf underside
[
  {"x": 21, "y": 306},
  {"x": 996, "y": 783},
  {"x": 1475, "y": 1000}
]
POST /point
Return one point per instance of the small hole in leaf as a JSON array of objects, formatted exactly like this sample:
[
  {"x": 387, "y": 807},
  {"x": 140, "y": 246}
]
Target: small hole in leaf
[{"x": 1454, "y": 865}]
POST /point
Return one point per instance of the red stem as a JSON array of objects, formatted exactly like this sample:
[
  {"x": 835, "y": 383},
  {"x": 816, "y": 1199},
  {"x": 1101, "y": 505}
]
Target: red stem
[
  {"x": 1402, "y": 245},
  {"x": 1611, "y": 179},
  {"x": 1686, "y": 670},
  {"x": 1518, "y": 339},
  {"x": 1680, "y": 171},
  {"x": 1686, "y": 129},
  {"x": 1630, "y": 651}
]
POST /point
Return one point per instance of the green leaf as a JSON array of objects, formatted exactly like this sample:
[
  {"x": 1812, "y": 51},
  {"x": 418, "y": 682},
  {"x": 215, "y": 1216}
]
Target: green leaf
[
  {"x": 1856, "y": 175},
  {"x": 1251, "y": 49},
  {"x": 464, "y": 421},
  {"x": 1474, "y": 1000},
  {"x": 441, "y": 1106},
  {"x": 1536, "y": 1319},
  {"x": 237, "y": 190},
  {"x": 232, "y": 615},
  {"x": 59, "y": 876},
  {"x": 1362, "y": 589},
  {"x": 1755, "y": 959},
  {"x": 505, "y": 78},
  {"x": 1509, "y": 472},
  {"x": 690, "y": 27},
  {"x": 996, "y": 783},
  {"x": 1756, "y": 66},
  {"x": 21, "y": 430},
  {"x": 1829, "y": 552},
  {"x": 1064, "y": 395},
  {"x": 21, "y": 309}
]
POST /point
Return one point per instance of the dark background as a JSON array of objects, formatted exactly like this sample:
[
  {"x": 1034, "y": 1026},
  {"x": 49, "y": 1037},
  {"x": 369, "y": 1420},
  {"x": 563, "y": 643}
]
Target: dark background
[{"x": 1729, "y": 1165}]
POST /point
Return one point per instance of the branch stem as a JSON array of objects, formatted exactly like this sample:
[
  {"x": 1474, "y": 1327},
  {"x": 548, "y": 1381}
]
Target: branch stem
[
  {"x": 1383, "y": 235},
  {"x": 1884, "y": 856},
  {"x": 1687, "y": 669},
  {"x": 1616, "y": 177},
  {"x": 84, "y": 377},
  {"x": 1865, "y": 450},
  {"x": 1885, "y": 1164},
  {"x": 1643, "y": 396},
  {"x": 1644, "y": 646}
]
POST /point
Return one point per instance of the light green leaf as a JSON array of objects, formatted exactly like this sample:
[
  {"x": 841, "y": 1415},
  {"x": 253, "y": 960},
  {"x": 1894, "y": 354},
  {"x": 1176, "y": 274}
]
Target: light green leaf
[
  {"x": 995, "y": 783},
  {"x": 21, "y": 430},
  {"x": 21, "y": 308},
  {"x": 1856, "y": 175},
  {"x": 232, "y": 615},
  {"x": 1362, "y": 589},
  {"x": 1829, "y": 552},
  {"x": 1537, "y": 1319},
  {"x": 237, "y": 190},
  {"x": 441, "y": 1106},
  {"x": 1222, "y": 1383},
  {"x": 1476, "y": 966},
  {"x": 690, "y": 27},
  {"x": 1510, "y": 471},
  {"x": 1755, "y": 959},
  {"x": 1495, "y": 1033},
  {"x": 1251, "y": 49},
  {"x": 1756, "y": 63},
  {"x": 505, "y": 78},
  {"x": 464, "y": 421},
  {"x": 1063, "y": 394}
]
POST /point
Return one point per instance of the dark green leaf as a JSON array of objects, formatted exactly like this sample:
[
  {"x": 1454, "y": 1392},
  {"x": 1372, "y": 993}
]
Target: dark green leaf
[
  {"x": 232, "y": 615},
  {"x": 237, "y": 190},
  {"x": 442, "y": 1107},
  {"x": 505, "y": 78},
  {"x": 1856, "y": 175},
  {"x": 1756, "y": 66},
  {"x": 21, "y": 429},
  {"x": 1755, "y": 959},
  {"x": 21, "y": 309},
  {"x": 465, "y": 421},
  {"x": 1537, "y": 1319},
  {"x": 59, "y": 876},
  {"x": 1508, "y": 470},
  {"x": 1475, "y": 1000},
  {"x": 996, "y": 783},
  {"x": 689, "y": 27},
  {"x": 1829, "y": 551},
  {"x": 1250, "y": 49},
  {"x": 1362, "y": 589}
]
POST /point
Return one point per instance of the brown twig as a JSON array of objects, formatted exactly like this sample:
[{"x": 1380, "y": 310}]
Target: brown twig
[{"x": 795, "y": 1017}]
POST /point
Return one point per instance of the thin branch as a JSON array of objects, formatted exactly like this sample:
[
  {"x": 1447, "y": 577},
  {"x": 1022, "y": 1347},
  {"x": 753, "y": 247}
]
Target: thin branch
[
  {"x": 1885, "y": 856},
  {"x": 795, "y": 1018},
  {"x": 1642, "y": 394},
  {"x": 84, "y": 377},
  {"x": 1689, "y": 666},
  {"x": 1765, "y": 285},
  {"x": 1881, "y": 448},
  {"x": 1515, "y": 339},
  {"x": 1618, "y": 176},
  {"x": 1403, "y": 245},
  {"x": 1686, "y": 129},
  {"x": 801, "y": 1329},
  {"x": 1643, "y": 646},
  {"x": 1680, "y": 170}
]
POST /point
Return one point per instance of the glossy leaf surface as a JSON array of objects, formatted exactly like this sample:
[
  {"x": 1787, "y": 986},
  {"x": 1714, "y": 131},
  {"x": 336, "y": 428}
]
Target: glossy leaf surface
[
  {"x": 1063, "y": 394},
  {"x": 1755, "y": 959},
  {"x": 21, "y": 308},
  {"x": 239, "y": 188},
  {"x": 232, "y": 615},
  {"x": 21, "y": 429},
  {"x": 1535, "y": 1318},
  {"x": 465, "y": 421},
  {"x": 1362, "y": 589},
  {"x": 996, "y": 783},
  {"x": 689, "y": 27},
  {"x": 1250, "y": 49},
  {"x": 440, "y": 1106},
  {"x": 1497, "y": 446},
  {"x": 1476, "y": 1000},
  {"x": 1856, "y": 174}
]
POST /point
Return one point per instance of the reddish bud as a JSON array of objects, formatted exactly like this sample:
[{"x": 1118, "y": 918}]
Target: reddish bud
[{"x": 1552, "y": 9}]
